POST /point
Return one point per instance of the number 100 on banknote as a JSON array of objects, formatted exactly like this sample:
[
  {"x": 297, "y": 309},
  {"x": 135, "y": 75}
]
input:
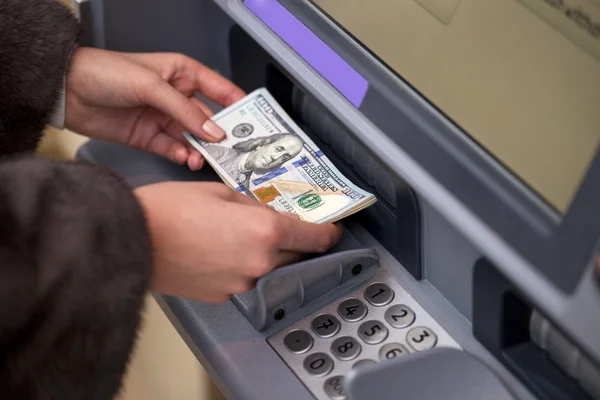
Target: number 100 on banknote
[{"x": 267, "y": 156}]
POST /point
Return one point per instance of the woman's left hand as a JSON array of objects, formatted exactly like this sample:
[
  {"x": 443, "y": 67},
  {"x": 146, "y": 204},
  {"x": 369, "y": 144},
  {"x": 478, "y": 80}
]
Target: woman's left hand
[{"x": 145, "y": 101}]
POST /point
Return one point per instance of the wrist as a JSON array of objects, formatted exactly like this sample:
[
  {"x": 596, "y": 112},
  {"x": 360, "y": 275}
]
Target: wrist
[{"x": 71, "y": 99}]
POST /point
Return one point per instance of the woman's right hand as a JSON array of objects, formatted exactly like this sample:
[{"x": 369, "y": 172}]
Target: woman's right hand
[{"x": 211, "y": 242}]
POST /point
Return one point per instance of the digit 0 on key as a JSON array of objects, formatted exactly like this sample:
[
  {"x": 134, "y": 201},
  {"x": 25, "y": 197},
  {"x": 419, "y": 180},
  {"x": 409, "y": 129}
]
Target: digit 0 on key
[{"x": 318, "y": 364}]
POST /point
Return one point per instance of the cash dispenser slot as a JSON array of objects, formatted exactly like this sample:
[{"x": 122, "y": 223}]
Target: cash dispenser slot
[
  {"x": 530, "y": 346},
  {"x": 395, "y": 219}
]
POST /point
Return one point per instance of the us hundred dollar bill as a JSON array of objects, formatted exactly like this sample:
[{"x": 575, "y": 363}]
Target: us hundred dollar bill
[{"x": 265, "y": 155}]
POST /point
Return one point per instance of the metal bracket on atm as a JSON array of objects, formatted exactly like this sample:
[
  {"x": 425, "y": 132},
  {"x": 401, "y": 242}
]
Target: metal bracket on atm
[{"x": 288, "y": 288}]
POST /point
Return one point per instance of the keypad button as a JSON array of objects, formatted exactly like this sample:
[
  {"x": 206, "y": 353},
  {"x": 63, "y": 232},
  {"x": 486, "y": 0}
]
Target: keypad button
[
  {"x": 334, "y": 388},
  {"x": 345, "y": 348},
  {"x": 379, "y": 294},
  {"x": 400, "y": 316},
  {"x": 391, "y": 351},
  {"x": 372, "y": 332},
  {"x": 318, "y": 364},
  {"x": 363, "y": 363},
  {"x": 298, "y": 342},
  {"x": 326, "y": 325},
  {"x": 352, "y": 310},
  {"x": 421, "y": 338}
]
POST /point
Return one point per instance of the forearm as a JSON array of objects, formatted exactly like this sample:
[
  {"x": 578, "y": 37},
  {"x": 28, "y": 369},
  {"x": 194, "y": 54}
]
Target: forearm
[
  {"x": 75, "y": 264},
  {"x": 38, "y": 38}
]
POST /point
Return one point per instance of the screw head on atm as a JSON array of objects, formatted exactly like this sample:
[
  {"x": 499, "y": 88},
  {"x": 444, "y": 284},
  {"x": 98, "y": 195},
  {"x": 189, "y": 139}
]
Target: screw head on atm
[{"x": 279, "y": 314}]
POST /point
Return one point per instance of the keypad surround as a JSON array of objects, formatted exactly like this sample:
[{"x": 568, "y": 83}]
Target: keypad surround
[{"x": 405, "y": 328}]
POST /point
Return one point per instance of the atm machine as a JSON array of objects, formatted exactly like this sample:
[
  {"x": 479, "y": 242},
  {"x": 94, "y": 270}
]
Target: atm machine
[{"x": 476, "y": 124}]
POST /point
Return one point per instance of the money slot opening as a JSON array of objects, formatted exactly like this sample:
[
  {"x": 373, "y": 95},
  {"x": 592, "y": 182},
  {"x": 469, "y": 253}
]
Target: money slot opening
[
  {"x": 395, "y": 219},
  {"x": 526, "y": 343},
  {"x": 360, "y": 166}
]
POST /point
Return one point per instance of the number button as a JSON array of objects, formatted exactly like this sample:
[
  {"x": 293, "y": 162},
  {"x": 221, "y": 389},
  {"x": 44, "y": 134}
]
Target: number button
[
  {"x": 391, "y": 351},
  {"x": 318, "y": 364},
  {"x": 326, "y": 325},
  {"x": 363, "y": 363},
  {"x": 334, "y": 388},
  {"x": 345, "y": 348},
  {"x": 400, "y": 316},
  {"x": 298, "y": 342},
  {"x": 352, "y": 310},
  {"x": 372, "y": 332},
  {"x": 421, "y": 338},
  {"x": 379, "y": 294}
]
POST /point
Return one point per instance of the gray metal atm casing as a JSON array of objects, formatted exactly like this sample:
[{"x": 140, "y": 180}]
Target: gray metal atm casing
[{"x": 434, "y": 255}]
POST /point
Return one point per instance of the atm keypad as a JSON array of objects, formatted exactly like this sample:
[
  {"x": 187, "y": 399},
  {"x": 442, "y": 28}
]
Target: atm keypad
[
  {"x": 363, "y": 363},
  {"x": 373, "y": 332},
  {"x": 325, "y": 326},
  {"x": 421, "y": 338},
  {"x": 346, "y": 348},
  {"x": 377, "y": 322},
  {"x": 352, "y": 310},
  {"x": 392, "y": 350},
  {"x": 334, "y": 388},
  {"x": 318, "y": 364},
  {"x": 298, "y": 341},
  {"x": 379, "y": 294},
  {"x": 400, "y": 316}
]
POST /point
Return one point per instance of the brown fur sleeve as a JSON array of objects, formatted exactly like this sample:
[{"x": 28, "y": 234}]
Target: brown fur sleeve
[
  {"x": 74, "y": 268},
  {"x": 37, "y": 38},
  {"x": 74, "y": 248}
]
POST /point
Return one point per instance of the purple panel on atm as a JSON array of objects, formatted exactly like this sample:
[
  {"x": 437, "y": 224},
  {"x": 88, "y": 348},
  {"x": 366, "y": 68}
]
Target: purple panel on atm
[{"x": 312, "y": 49}]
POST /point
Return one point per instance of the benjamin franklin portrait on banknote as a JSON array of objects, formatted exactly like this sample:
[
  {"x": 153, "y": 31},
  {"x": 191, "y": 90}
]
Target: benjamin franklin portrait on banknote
[{"x": 260, "y": 155}]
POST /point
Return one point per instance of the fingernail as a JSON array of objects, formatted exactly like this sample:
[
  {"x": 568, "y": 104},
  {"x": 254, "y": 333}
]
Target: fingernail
[{"x": 213, "y": 130}]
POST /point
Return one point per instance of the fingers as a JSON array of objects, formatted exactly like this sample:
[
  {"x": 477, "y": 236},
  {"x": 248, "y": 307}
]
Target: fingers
[
  {"x": 207, "y": 111},
  {"x": 162, "y": 96},
  {"x": 195, "y": 160},
  {"x": 241, "y": 198},
  {"x": 210, "y": 83},
  {"x": 197, "y": 76},
  {"x": 167, "y": 147},
  {"x": 293, "y": 234},
  {"x": 288, "y": 257},
  {"x": 308, "y": 237}
]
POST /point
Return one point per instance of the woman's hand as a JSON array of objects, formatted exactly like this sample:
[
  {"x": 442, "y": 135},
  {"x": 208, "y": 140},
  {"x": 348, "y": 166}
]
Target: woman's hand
[
  {"x": 211, "y": 242},
  {"x": 145, "y": 101}
]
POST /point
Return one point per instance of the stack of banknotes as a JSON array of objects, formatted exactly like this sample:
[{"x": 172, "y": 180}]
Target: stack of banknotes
[{"x": 265, "y": 155}]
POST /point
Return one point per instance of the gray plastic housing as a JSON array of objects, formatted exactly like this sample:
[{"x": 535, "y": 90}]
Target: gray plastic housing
[
  {"x": 223, "y": 337},
  {"x": 288, "y": 289},
  {"x": 451, "y": 236},
  {"x": 446, "y": 369}
]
